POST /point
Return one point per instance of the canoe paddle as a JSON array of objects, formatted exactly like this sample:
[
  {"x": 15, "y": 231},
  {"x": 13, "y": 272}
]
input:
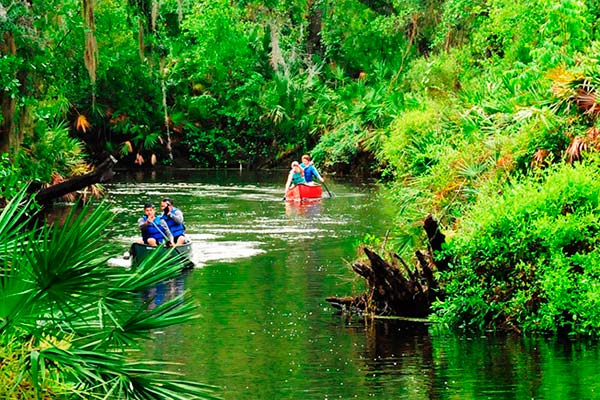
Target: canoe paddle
[
  {"x": 161, "y": 232},
  {"x": 326, "y": 188},
  {"x": 175, "y": 249}
]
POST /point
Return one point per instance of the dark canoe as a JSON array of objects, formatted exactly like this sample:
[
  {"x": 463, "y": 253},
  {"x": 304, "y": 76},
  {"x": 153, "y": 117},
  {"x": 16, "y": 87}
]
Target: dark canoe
[
  {"x": 140, "y": 251},
  {"x": 304, "y": 192}
]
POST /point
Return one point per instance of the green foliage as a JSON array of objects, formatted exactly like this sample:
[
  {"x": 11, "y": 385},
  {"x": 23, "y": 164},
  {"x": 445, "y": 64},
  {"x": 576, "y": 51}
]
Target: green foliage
[
  {"x": 436, "y": 76},
  {"x": 437, "y": 165},
  {"x": 9, "y": 65},
  {"x": 244, "y": 70},
  {"x": 459, "y": 19},
  {"x": 528, "y": 260},
  {"x": 357, "y": 120},
  {"x": 210, "y": 148},
  {"x": 355, "y": 35},
  {"x": 50, "y": 154},
  {"x": 13, "y": 355},
  {"x": 128, "y": 105},
  {"x": 408, "y": 151},
  {"x": 11, "y": 179},
  {"x": 232, "y": 112},
  {"x": 340, "y": 144},
  {"x": 563, "y": 28},
  {"x": 52, "y": 150},
  {"x": 71, "y": 324}
]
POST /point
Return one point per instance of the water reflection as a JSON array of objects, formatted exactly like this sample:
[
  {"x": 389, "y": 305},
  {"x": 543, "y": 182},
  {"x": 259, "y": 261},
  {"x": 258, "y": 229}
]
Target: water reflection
[
  {"x": 308, "y": 209},
  {"x": 407, "y": 360},
  {"x": 164, "y": 291}
]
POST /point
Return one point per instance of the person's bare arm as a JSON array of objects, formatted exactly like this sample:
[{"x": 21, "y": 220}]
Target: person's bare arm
[{"x": 289, "y": 182}]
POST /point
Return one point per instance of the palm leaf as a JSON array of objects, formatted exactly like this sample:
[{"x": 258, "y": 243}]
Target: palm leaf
[
  {"x": 110, "y": 373},
  {"x": 58, "y": 294}
]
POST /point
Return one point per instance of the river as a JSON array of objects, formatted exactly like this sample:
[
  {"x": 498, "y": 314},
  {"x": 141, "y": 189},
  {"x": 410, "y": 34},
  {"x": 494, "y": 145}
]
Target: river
[{"x": 263, "y": 270}]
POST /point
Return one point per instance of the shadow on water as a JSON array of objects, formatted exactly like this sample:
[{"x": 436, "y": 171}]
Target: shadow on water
[
  {"x": 405, "y": 360},
  {"x": 400, "y": 352}
]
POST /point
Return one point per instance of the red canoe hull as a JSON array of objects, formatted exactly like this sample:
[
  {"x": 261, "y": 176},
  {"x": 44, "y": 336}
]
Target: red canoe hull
[{"x": 304, "y": 192}]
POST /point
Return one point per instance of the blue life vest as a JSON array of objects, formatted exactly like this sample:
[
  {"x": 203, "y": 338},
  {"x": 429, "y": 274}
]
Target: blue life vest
[
  {"x": 175, "y": 228},
  {"x": 309, "y": 172},
  {"x": 154, "y": 230}
]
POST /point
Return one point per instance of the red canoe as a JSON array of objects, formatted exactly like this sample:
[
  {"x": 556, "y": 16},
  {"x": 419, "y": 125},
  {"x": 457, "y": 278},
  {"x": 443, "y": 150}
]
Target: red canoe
[{"x": 304, "y": 192}]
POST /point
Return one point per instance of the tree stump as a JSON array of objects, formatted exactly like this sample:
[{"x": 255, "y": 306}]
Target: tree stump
[{"x": 396, "y": 289}]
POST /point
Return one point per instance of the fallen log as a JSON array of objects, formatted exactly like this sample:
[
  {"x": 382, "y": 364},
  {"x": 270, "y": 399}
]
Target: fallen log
[
  {"x": 394, "y": 288},
  {"x": 101, "y": 173}
]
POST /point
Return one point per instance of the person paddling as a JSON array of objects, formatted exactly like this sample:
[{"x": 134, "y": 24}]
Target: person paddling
[
  {"x": 154, "y": 229},
  {"x": 309, "y": 169}
]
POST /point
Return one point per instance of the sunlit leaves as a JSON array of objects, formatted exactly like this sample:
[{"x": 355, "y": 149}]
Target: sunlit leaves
[
  {"x": 82, "y": 123},
  {"x": 53, "y": 151}
]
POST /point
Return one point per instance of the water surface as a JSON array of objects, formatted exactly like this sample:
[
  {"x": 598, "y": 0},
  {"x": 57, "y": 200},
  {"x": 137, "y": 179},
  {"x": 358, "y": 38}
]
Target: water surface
[{"x": 264, "y": 268}]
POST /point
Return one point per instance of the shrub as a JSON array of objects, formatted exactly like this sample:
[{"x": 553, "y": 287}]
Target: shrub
[{"x": 528, "y": 259}]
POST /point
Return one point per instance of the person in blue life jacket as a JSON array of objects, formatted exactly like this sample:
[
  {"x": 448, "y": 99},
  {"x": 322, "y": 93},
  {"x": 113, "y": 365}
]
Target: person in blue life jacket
[
  {"x": 174, "y": 218},
  {"x": 154, "y": 229},
  {"x": 310, "y": 172},
  {"x": 295, "y": 177}
]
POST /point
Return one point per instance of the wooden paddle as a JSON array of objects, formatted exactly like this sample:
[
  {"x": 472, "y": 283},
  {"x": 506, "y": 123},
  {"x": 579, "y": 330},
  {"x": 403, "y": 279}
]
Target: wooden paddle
[{"x": 326, "y": 188}]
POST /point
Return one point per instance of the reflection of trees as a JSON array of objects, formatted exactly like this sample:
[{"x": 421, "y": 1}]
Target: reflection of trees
[
  {"x": 400, "y": 352},
  {"x": 403, "y": 360},
  {"x": 498, "y": 367}
]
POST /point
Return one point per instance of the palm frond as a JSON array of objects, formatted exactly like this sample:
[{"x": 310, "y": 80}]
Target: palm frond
[
  {"x": 81, "y": 317},
  {"x": 15, "y": 217},
  {"x": 104, "y": 373}
]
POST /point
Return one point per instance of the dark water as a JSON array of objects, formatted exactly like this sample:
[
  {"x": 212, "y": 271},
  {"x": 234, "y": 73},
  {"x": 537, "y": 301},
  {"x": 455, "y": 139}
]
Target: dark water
[{"x": 266, "y": 331}]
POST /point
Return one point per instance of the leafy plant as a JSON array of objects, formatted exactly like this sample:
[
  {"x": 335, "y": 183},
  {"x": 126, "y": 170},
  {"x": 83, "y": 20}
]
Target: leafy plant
[
  {"x": 69, "y": 324},
  {"x": 11, "y": 180},
  {"x": 527, "y": 260}
]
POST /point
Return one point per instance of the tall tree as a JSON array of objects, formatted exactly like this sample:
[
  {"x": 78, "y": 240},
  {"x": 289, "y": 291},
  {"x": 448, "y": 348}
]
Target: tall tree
[{"x": 91, "y": 47}]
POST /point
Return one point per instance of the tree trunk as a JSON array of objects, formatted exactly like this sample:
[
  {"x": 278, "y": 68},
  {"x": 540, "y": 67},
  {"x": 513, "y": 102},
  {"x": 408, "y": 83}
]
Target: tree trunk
[
  {"x": 8, "y": 102},
  {"x": 102, "y": 173},
  {"x": 313, "y": 42}
]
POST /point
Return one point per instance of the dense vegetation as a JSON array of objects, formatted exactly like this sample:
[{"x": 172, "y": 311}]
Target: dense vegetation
[{"x": 479, "y": 112}]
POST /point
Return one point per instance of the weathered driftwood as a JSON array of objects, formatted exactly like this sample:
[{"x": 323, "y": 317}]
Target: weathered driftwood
[
  {"x": 395, "y": 288},
  {"x": 102, "y": 173}
]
